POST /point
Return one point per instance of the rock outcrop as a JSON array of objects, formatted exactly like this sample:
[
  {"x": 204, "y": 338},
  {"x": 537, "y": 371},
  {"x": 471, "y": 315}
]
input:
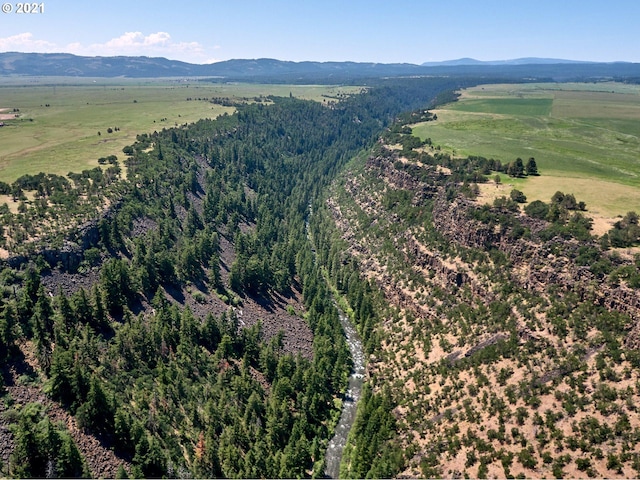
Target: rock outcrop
[{"x": 536, "y": 263}]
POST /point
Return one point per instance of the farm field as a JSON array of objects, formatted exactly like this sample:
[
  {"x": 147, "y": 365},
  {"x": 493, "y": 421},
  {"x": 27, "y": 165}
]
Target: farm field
[
  {"x": 585, "y": 138},
  {"x": 56, "y": 130}
]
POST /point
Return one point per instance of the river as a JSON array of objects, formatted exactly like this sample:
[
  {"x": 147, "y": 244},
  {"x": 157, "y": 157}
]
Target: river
[
  {"x": 350, "y": 400},
  {"x": 333, "y": 456}
]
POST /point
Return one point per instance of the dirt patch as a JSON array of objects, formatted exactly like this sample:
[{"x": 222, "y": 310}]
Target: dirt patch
[
  {"x": 6, "y": 116},
  {"x": 490, "y": 191},
  {"x": 13, "y": 206},
  {"x": 601, "y": 225}
]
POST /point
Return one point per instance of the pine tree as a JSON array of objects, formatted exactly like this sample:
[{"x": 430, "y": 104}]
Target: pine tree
[
  {"x": 65, "y": 309},
  {"x": 96, "y": 414},
  {"x": 7, "y": 334},
  {"x": 99, "y": 316}
]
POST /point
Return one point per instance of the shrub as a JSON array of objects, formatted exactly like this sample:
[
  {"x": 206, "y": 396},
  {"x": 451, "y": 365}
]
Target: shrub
[
  {"x": 526, "y": 458},
  {"x": 537, "y": 209},
  {"x": 518, "y": 196}
]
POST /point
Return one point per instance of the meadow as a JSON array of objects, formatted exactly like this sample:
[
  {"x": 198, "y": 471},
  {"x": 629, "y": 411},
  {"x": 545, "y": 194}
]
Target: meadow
[
  {"x": 63, "y": 124},
  {"x": 585, "y": 138}
]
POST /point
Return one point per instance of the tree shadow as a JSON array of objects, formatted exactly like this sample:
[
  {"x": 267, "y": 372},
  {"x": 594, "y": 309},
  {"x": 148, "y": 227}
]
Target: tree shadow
[
  {"x": 264, "y": 300},
  {"x": 15, "y": 367},
  {"x": 175, "y": 293}
]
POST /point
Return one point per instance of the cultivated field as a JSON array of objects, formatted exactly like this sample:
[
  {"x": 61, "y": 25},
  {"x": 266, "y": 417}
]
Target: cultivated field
[
  {"x": 58, "y": 120},
  {"x": 585, "y": 138}
]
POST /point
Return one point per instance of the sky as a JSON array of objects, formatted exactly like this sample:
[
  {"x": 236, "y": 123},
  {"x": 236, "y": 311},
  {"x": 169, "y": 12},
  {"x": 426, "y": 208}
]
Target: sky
[{"x": 389, "y": 31}]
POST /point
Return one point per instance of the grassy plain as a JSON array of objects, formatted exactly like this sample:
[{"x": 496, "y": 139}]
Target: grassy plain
[
  {"x": 585, "y": 138},
  {"x": 63, "y": 136}
]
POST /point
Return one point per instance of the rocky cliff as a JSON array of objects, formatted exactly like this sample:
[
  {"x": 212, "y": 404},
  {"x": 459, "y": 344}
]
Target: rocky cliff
[{"x": 536, "y": 265}]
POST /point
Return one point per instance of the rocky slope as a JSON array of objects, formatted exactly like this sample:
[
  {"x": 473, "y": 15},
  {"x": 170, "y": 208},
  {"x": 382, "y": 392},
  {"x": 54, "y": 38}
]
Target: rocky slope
[
  {"x": 508, "y": 353},
  {"x": 25, "y": 378},
  {"x": 101, "y": 460}
]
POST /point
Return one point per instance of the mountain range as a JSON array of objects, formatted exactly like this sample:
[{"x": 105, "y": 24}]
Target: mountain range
[
  {"x": 264, "y": 69},
  {"x": 516, "y": 61}
]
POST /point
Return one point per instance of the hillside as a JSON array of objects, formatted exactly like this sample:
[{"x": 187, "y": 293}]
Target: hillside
[
  {"x": 46, "y": 64},
  {"x": 506, "y": 343}
]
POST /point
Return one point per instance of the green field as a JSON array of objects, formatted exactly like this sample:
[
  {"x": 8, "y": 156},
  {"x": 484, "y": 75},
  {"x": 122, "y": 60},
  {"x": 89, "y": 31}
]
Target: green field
[
  {"x": 585, "y": 137},
  {"x": 63, "y": 136}
]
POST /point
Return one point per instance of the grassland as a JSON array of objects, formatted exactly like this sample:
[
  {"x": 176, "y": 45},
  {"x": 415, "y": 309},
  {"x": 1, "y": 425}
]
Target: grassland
[
  {"x": 585, "y": 137},
  {"x": 56, "y": 130}
]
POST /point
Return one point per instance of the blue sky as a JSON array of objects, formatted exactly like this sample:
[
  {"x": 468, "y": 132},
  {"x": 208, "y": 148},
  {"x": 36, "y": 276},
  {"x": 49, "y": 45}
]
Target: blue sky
[{"x": 364, "y": 31}]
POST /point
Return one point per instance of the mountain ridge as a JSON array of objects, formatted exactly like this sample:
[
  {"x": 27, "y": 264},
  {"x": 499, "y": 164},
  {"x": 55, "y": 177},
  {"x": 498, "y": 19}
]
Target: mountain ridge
[
  {"x": 514, "y": 61},
  {"x": 64, "y": 64}
]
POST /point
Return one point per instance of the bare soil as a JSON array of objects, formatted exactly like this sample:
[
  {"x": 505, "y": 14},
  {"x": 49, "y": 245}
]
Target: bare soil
[{"x": 6, "y": 116}]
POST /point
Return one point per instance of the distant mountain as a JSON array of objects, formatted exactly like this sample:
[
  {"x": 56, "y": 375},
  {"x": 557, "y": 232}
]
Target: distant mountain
[
  {"x": 278, "y": 71},
  {"x": 517, "y": 61},
  {"x": 63, "y": 64}
]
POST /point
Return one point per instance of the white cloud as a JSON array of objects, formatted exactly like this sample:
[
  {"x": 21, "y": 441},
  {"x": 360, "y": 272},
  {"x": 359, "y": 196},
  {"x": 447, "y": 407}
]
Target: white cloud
[
  {"x": 136, "y": 40},
  {"x": 24, "y": 42},
  {"x": 158, "y": 44},
  {"x": 160, "y": 38}
]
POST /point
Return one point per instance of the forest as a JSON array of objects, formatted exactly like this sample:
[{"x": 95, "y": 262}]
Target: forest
[{"x": 104, "y": 344}]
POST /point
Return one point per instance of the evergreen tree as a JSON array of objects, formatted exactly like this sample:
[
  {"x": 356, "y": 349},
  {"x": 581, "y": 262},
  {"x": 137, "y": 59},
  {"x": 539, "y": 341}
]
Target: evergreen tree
[
  {"x": 96, "y": 413},
  {"x": 7, "y": 333}
]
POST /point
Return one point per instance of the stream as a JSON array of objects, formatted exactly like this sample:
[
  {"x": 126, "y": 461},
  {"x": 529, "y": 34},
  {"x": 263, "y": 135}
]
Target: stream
[
  {"x": 333, "y": 456},
  {"x": 349, "y": 401}
]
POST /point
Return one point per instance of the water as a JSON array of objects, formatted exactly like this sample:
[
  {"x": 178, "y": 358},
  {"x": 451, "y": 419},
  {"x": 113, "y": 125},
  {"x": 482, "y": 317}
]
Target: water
[
  {"x": 336, "y": 446},
  {"x": 350, "y": 400}
]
